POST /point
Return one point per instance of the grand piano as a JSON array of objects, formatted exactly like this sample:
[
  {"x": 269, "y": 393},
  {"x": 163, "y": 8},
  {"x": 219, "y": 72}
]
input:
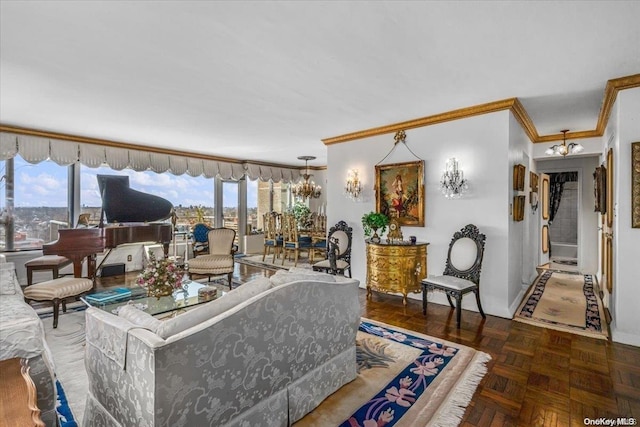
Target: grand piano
[{"x": 130, "y": 216}]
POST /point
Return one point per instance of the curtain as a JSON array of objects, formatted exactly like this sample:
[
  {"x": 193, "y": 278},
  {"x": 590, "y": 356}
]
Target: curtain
[
  {"x": 557, "y": 181},
  {"x": 36, "y": 149}
]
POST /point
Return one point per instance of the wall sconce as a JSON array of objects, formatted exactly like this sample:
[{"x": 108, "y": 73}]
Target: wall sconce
[
  {"x": 453, "y": 184},
  {"x": 353, "y": 187}
]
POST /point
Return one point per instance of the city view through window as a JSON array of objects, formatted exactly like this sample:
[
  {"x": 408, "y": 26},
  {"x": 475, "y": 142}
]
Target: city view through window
[{"x": 41, "y": 200}]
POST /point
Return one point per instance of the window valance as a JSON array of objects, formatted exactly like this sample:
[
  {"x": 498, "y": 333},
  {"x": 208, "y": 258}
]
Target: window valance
[{"x": 35, "y": 149}]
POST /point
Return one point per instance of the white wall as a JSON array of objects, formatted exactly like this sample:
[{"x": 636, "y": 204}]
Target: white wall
[
  {"x": 482, "y": 146},
  {"x": 626, "y": 285},
  {"x": 588, "y": 241}
]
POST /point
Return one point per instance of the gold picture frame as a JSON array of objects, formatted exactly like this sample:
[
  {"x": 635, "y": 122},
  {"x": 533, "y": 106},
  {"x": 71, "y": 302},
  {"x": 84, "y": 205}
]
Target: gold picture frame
[
  {"x": 518, "y": 177},
  {"x": 610, "y": 188},
  {"x": 635, "y": 184},
  {"x": 533, "y": 182},
  {"x": 544, "y": 188},
  {"x": 544, "y": 244},
  {"x": 518, "y": 208},
  {"x": 400, "y": 192}
]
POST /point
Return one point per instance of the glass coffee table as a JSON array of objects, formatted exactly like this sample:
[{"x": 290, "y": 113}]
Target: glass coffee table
[{"x": 173, "y": 304}]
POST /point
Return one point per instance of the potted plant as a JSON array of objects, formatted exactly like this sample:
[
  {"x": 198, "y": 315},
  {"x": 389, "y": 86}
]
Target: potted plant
[{"x": 372, "y": 222}]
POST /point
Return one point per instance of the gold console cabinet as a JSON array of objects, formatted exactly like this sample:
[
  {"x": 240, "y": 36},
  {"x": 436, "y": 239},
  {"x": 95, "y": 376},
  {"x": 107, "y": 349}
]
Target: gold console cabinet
[{"x": 397, "y": 268}]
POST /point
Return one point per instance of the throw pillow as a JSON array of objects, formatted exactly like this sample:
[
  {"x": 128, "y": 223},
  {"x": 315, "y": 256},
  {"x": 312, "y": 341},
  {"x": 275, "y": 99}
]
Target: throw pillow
[
  {"x": 8, "y": 279},
  {"x": 211, "y": 309},
  {"x": 139, "y": 318}
]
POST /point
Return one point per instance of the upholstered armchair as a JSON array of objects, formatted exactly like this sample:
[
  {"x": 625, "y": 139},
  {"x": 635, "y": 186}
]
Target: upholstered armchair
[{"x": 220, "y": 257}]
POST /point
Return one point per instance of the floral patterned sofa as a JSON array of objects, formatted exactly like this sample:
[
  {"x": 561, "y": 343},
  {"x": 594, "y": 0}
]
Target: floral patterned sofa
[
  {"x": 266, "y": 353},
  {"x": 22, "y": 336}
]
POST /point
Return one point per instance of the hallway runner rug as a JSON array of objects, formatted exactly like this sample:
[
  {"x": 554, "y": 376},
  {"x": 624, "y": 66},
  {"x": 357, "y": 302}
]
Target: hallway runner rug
[
  {"x": 564, "y": 302},
  {"x": 404, "y": 378}
]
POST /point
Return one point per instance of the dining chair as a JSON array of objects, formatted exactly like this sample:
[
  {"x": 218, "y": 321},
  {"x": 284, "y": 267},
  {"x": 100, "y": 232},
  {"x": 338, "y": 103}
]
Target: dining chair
[
  {"x": 462, "y": 270},
  {"x": 338, "y": 251}
]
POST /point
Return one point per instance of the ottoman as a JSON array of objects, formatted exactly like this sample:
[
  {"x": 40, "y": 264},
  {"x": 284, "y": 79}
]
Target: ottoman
[
  {"x": 57, "y": 291},
  {"x": 46, "y": 262}
]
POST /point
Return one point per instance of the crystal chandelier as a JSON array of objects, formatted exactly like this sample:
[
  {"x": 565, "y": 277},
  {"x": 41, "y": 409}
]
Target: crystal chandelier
[
  {"x": 564, "y": 149},
  {"x": 353, "y": 187},
  {"x": 453, "y": 184},
  {"x": 306, "y": 189}
]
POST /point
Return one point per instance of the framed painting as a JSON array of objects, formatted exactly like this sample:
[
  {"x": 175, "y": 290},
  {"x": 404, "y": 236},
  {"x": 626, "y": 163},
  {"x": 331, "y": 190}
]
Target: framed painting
[
  {"x": 609, "y": 194},
  {"x": 635, "y": 185},
  {"x": 400, "y": 192},
  {"x": 600, "y": 189},
  {"x": 518, "y": 208},
  {"x": 533, "y": 181},
  {"x": 518, "y": 177}
]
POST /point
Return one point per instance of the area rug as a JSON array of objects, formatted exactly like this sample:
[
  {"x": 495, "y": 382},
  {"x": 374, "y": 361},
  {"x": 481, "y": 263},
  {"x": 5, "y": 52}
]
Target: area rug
[
  {"x": 565, "y": 302},
  {"x": 256, "y": 261},
  {"x": 404, "y": 378}
]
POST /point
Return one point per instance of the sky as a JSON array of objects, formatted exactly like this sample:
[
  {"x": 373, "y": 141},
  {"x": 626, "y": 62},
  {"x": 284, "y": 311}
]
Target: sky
[{"x": 45, "y": 184}]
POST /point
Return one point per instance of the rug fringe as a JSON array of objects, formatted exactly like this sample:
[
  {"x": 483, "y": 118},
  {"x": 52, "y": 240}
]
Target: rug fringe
[{"x": 452, "y": 411}]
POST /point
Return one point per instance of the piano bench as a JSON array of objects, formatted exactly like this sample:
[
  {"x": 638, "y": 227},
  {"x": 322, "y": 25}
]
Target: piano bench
[
  {"x": 46, "y": 262},
  {"x": 57, "y": 291}
]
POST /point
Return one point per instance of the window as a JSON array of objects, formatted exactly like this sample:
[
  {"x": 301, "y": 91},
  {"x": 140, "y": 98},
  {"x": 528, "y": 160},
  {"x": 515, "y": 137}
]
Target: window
[
  {"x": 192, "y": 197},
  {"x": 39, "y": 206}
]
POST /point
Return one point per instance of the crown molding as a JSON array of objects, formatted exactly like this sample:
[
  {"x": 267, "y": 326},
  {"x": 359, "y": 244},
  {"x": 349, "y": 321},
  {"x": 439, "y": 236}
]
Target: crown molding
[
  {"x": 139, "y": 147},
  {"x": 448, "y": 116},
  {"x": 516, "y": 107}
]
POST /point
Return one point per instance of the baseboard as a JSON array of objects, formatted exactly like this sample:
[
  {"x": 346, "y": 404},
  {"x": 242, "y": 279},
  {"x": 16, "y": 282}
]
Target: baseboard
[{"x": 624, "y": 337}]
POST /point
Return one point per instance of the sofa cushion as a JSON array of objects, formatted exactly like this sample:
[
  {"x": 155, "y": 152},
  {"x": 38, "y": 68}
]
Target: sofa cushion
[
  {"x": 139, "y": 317},
  {"x": 294, "y": 274},
  {"x": 211, "y": 309}
]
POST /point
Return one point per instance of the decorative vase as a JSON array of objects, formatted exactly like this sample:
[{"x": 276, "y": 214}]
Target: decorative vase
[
  {"x": 375, "y": 238},
  {"x": 160, "y": 290}
]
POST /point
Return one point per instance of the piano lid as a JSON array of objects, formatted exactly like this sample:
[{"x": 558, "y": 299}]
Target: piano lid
[{"x": 121, "y": 204}]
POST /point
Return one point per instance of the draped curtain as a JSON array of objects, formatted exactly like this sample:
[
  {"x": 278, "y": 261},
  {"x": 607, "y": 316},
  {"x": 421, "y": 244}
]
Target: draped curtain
[
  {"x": 557, "y": 181},
  {"x": 35, "y": 149}
]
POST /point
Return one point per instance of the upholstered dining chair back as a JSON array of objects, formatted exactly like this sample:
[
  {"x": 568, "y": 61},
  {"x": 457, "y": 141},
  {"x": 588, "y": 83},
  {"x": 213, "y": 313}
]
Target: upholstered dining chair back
[
  {"x": 466, "y": 251},
  {"x": 338, "y": 250},
  {"x": 221, "y": 241},
  {"x": 462, "y": 270}
]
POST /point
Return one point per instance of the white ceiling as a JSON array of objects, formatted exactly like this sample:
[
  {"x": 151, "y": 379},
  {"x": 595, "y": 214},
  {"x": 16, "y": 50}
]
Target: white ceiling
[{"x": 268, "y": 80}]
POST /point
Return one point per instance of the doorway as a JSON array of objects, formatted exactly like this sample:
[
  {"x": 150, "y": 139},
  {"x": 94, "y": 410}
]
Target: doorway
[{"x": 564, "y": 200}]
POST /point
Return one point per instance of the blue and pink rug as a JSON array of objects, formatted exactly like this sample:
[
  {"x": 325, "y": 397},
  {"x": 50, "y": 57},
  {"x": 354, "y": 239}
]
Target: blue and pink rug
[{"x": 404, "y": 378}]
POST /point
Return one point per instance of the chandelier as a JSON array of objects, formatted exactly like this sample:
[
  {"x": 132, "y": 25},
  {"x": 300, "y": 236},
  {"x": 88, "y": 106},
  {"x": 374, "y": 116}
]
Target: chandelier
[
  {"x": 353, "y": 187},
  {"x": 564, "y": 149},
  {"x": 306, "y": 189},
  {"x": 453, "y": 184}
]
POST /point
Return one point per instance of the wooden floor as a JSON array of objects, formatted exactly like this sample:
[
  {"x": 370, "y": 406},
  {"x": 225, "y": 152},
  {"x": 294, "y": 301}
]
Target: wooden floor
[{"x": 537, "y": 376}]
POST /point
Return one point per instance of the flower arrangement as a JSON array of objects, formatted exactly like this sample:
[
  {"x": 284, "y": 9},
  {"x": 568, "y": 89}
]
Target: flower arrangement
[{"x": 160, "y": 277}]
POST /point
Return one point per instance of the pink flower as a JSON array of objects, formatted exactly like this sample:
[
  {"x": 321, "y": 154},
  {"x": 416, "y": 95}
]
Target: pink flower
[
  {"x": 403, "y": 397},
  {"x": 405, "y": 382},
  {"x": 445, "y": 351},
  {"x": 428, "y": 369}
]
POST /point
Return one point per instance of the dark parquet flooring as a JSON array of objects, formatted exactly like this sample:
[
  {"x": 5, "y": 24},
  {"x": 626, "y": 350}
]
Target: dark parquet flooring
[{"x": 537, "y": 376}]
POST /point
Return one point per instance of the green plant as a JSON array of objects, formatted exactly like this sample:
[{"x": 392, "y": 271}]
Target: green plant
[
  {"x": 302, "y": 214},
  {"x": 374, "y": 221}
]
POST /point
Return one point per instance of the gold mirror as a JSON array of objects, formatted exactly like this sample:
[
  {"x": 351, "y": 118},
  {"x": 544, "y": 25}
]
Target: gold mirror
[
  {"x": 610, "y": 188},
  {"x": 545, "y": 239}
]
